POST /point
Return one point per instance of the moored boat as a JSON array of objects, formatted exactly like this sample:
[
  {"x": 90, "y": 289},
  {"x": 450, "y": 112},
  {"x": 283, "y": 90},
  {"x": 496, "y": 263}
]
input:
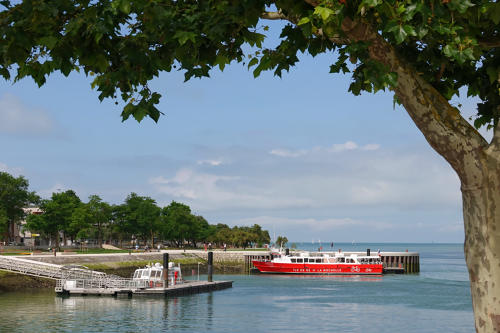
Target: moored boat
[
  {"x": 152, "y": 275},
  {"x": 321, "y": 263}
]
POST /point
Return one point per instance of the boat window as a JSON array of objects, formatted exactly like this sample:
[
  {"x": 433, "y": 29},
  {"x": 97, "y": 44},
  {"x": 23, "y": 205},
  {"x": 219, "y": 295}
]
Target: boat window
[
  {"x": 293, "y": 260},
  {"x": 299, "y": 259},
  {"x": 318, "y": 260}
]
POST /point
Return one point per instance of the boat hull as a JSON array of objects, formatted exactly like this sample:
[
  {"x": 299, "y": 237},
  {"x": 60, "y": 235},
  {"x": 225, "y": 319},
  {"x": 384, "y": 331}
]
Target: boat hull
[{"x": 317, "y": 268}]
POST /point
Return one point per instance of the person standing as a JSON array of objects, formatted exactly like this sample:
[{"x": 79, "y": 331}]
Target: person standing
[{"x": 225, "y": 247}]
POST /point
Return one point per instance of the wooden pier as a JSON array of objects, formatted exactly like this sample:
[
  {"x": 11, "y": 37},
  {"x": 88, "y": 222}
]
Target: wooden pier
[{"x": 394, "y": 262}]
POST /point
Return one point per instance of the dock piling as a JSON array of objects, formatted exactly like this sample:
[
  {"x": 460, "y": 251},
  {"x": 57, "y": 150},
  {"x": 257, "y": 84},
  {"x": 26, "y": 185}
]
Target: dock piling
[
  {"x": 165, "y": 269},
  {"x": 210, "y": 265}
]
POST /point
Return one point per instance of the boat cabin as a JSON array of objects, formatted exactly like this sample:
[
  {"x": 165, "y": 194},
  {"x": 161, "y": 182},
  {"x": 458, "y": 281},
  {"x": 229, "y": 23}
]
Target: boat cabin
[{"x": 150, "y": 273}]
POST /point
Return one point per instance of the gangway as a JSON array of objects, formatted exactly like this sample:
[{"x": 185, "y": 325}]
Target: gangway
[{"x": 51, "y": 271}]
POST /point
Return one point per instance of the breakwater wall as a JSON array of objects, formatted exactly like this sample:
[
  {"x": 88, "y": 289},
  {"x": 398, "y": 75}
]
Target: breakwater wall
[{"x": 193, "y": 255}]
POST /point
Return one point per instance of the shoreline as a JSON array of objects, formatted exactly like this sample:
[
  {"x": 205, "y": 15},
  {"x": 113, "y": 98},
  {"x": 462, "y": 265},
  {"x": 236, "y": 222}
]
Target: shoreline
[{"x": 230, "y": 262}]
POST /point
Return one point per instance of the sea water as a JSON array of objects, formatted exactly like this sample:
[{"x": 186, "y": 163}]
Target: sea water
[{"x": 435, "y": 300}]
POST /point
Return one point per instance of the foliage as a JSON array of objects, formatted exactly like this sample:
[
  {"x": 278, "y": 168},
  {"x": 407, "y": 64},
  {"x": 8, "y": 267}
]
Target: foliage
[
  {"x": 142, "y": 216},
  {"x": 281, "y": 241},
  {"x": 14, "y": 195},
  {"x": 124, "y": 44},
  {"x": 57, "y": 215}
]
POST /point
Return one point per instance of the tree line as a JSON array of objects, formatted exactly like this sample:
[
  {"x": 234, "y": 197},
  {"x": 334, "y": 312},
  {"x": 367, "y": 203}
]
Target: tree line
[{"x": 138, "y": 219}]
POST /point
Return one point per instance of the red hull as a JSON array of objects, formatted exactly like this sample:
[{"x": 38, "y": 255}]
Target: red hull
[{"x": 317, "y": 268}]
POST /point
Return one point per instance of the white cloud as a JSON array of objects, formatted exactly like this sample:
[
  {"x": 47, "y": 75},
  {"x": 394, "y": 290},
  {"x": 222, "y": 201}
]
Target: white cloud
[
  {"x": 371, "y": 146},
  {"x": 288, "y": 153},
  {"x": 210, "y": 162},
  {"x": 382, "y": 180},
  {"x": 335, "y": 148},
  {"x": 210, "y": 192},
  {"x": 17, "y": 118},
  {"x": 13, "y": 171},
  {"x": 192, "y": 185}
]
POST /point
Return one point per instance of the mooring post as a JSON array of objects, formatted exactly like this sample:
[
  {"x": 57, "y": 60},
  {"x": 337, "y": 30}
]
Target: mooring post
[
  {"x": 165, "y": 270},
  {"x": 210, "y": 267}
]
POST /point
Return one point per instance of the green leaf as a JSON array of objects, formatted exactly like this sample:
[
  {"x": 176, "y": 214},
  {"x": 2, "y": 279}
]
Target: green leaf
[
  {"x": 253, "y": 62},
  {"x": 125, "y": 6},
  {"x": 460, "y": 5},
  {"x": 494, "y": 12},
  {"x": 323, "y": 12},
  {"x": 410, "y": 31},
  {"x": 492, "y": 73},
  {"x": 184, "y": 36},
  {"x": 49, "y": 41},
  {"x": 370, "y": 3},
  {"x": 304, "y": 20},
  {"x": 400, "y": 34}
]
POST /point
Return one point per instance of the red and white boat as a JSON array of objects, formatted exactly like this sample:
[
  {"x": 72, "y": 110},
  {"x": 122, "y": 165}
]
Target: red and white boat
[{"x": 321, "y": 263}]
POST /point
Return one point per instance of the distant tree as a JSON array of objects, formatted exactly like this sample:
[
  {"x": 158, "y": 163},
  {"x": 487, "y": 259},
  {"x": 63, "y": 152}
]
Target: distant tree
[
  {"x": 200, "y": 230},
  {"x": 56, "y": 217},
  {"x": 120, "y": 226},
  {"x": 100, "y": 215},
  {"x": 281, "y": 241},
  {"x": 143, "y": 216},
  {"x": 260, "y": 236},
  {"x": 80, "y": 226},
  {"x": 177, "y": 222},
  {"x": 14, "y": 196}
]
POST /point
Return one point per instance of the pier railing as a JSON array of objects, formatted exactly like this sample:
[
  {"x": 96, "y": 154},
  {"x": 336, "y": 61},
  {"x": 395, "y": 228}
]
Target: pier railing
[
  {"x": 46, "y": 270},
  {"x": 111, "y": 284}
]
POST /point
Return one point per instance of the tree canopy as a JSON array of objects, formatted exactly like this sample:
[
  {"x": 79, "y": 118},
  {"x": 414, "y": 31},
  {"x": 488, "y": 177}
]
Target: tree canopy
[
  {"x": 14, "y": 196},
  {"x": 124, "y": 44}
]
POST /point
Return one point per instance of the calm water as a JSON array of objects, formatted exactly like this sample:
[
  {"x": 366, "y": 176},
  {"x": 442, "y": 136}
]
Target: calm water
[{"x": 436, "y": 300}]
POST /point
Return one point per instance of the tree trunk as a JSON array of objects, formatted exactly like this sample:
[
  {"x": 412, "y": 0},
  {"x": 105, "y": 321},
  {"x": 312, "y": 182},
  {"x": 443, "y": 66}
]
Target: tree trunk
[
  {"x": 99, "y": 235},
  {"x": 481, "y": 209},
  {"x": 476, "y": 162}
]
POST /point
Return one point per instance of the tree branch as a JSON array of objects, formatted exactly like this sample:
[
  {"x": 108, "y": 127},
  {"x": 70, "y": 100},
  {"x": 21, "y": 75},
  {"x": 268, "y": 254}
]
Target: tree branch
[
  {"x": 337, "y": 39},
  {"x": 273, "y": 16},
  {"x": 489, "y": 44},
  {"x": 441, "y": 124}
]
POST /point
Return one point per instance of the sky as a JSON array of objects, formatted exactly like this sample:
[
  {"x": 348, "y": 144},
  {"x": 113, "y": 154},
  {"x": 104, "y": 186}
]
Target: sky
[{"x": 300, "y": 155}]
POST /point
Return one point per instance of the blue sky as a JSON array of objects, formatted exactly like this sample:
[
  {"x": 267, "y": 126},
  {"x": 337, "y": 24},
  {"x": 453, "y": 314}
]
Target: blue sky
[{"x": 299, "y": 155}]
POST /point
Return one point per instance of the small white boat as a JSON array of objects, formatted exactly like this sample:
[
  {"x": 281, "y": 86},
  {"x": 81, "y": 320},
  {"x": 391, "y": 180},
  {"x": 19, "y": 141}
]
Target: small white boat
[{"x": 153, "y": 275}]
